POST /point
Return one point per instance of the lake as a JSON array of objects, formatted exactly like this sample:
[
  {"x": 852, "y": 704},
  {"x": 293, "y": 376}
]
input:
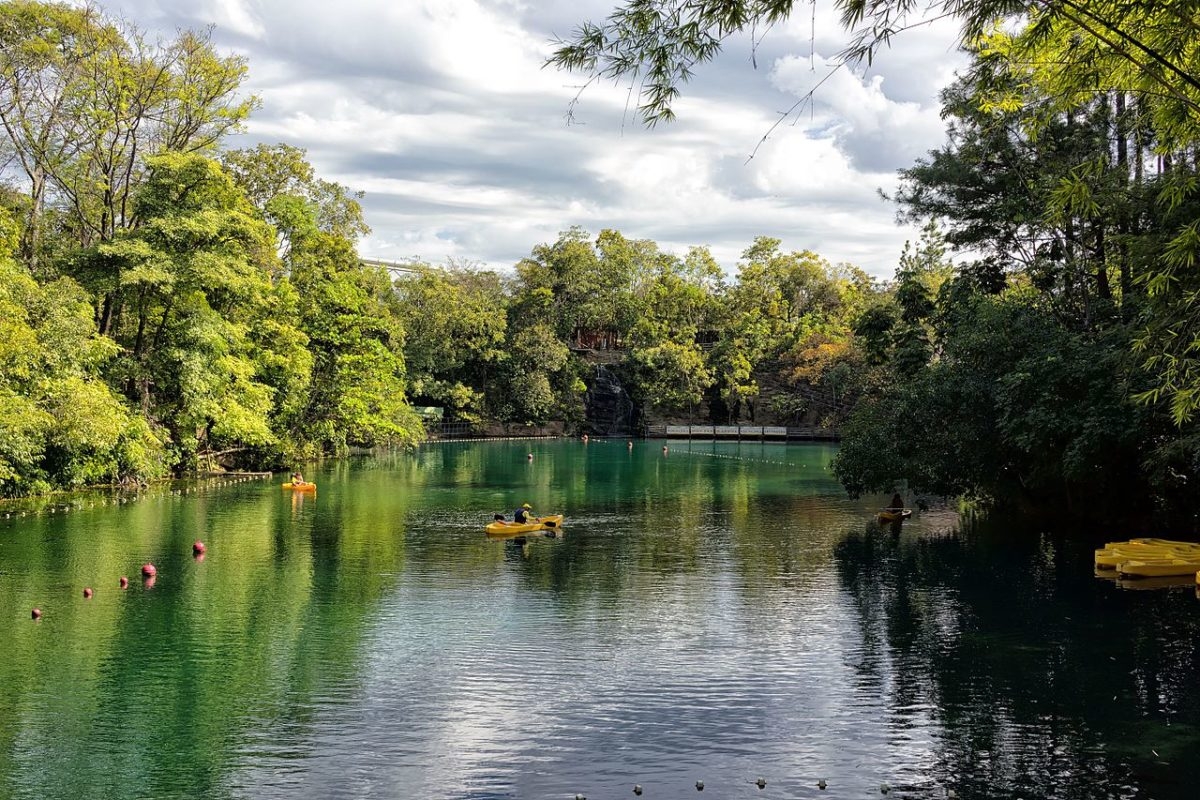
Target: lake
[{"x": 716, "y": 613}]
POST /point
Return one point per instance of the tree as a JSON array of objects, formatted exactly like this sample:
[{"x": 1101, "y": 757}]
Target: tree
[
  {"x": 84, "y": 100},
  {"x": 357, "y": 395},
  {"x": 281, "y": 183},
  {"x": 60, "y": 424},
  {"x": 591, "y": 285},
  {"x": 456, "y": 329},
  {"x": 190, "y": 288},
  {"x": 1019, "y": 409},
  {"x": 348, "y": 383},
  {"x": 45, "y": 53},
  {"x": 668, "y": 368}
]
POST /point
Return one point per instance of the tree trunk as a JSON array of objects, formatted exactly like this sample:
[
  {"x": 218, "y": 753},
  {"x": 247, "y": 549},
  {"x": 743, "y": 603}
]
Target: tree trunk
[
  {"x": 1123, "y": 264},
  {"x": 1103, "y": 290},
  {"x": 31, "y": 237}
]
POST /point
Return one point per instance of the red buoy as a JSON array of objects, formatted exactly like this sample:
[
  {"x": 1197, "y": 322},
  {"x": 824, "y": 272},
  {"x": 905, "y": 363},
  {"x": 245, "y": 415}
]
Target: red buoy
[
  {"x": 148, "y": 570},
  {"x": 36, "y": 613},
  {"x": 198, "y": 548},
  {"x": 87, "y": 593},
  {"x": 124, "y": 582}
]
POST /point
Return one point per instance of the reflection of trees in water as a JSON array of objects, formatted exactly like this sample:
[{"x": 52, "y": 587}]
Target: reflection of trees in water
[{"x": 1043, "y": 682}]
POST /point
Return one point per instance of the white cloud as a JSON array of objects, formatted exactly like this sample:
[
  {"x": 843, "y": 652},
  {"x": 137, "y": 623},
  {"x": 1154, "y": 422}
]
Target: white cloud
[
  {"x": 442, "y": 111},
  {"x": 874, "y": 130}
]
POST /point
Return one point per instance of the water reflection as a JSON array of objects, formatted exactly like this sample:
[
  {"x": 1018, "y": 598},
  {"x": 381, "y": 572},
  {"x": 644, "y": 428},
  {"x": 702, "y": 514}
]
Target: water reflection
[
  {"x": 717, "y": 615},
  {"x": 1041, "y": 681}
]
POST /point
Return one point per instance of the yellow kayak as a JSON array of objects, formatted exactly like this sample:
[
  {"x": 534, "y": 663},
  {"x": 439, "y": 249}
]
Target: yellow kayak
[
  {"x": 1113, "y": 553},
  {"x": 303, "y": 487},
  {"x": 546, "y": 523},
  {"x": 888, "y": 515},
  {"x": 1158, "y": 568},
  {"x": 1110, "y": 558}
]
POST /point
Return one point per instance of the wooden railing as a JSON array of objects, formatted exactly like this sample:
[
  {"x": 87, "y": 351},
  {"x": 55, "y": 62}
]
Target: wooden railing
[{"x": 738, "y": 432}]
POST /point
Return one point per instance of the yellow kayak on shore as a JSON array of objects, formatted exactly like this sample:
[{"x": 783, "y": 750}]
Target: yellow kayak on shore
[
  {"x": 891, "y": 515},
  {"x": 302, "y": 487},
  {"x": 547, "y": 523}
]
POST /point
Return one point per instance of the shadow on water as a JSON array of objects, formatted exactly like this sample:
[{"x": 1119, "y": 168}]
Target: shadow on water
[{"x": 1046, "y": 682}]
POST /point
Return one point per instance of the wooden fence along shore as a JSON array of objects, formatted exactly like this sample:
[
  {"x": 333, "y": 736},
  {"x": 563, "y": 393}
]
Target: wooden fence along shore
[
  {"x": 463, "y": 430},
  {"x": 739, "y": 432}
]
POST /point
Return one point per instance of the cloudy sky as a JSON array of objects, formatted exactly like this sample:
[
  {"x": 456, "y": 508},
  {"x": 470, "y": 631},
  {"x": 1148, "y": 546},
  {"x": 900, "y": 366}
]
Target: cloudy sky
[{"x": 441, "y": 111}]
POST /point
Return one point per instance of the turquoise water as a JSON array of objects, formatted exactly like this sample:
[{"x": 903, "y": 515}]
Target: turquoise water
[{"x": 715, "y": 613}]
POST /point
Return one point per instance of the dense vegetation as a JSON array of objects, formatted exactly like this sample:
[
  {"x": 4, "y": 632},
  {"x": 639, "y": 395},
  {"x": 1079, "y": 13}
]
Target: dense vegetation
[
  {"x": 168, "y": 304},
  {"x": 165, "y": 305},
  {"x": 688, "y": 344}
]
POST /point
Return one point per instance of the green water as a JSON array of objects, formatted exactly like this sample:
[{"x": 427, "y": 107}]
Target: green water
[{"x": 716, "y": 613}]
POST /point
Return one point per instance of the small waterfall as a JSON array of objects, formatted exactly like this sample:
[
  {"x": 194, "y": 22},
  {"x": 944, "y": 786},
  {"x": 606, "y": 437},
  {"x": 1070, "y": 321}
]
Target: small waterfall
[{"x": 610, "y": 411}]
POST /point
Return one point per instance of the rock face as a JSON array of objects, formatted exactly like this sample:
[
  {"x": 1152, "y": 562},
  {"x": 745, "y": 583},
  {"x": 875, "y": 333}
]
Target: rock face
[{"x": 610, "y": 411}]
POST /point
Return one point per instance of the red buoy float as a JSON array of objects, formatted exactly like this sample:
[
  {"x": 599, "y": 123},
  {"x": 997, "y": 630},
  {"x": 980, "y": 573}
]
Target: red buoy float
[
  {"x": 36, "y": 613},
  {"x": 124, "y": 582},
  {"x": 87, "y": 593},
  {"x": 198, "y": 548},
  {"x": 148, "y": 570}
]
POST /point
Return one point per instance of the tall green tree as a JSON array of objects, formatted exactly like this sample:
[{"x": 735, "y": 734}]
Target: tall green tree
[
  {"x": 591, "y": 284},
  {"x": 353, "y": 321},
  {"x": 348, "y": 383},
  {"x": 456, "y": 330},
  {"x": 60, "y": 424},
  {"x": 191, "y": 286},
  {"x": 84, "y": 100},
  {"x": 669, "y": 371}
]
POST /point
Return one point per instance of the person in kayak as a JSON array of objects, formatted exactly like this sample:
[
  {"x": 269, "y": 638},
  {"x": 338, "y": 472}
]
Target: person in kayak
[
  {"x": 521, "y": 515},
  {"x": 297, "y": 479}
]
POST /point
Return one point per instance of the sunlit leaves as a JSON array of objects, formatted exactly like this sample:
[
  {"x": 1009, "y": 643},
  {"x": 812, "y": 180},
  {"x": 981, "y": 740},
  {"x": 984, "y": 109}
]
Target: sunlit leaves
[{"x": 60, "y": 424}]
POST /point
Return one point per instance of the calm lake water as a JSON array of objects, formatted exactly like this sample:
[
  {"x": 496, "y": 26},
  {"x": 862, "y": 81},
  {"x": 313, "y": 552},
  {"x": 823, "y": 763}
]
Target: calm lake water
[{"x": 720, "y": 613}]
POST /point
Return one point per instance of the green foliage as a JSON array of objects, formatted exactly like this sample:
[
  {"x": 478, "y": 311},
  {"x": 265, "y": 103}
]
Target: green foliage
[
  {"x": 357, "y": 395},
  {"x": 1017, "y": 409},
  {"x": 591, "y": 286},
  {"x": 456, "y": 328},
  {"x": 874, "y": 330},
  {"x": 282, "y": 184},
  {"x": 60, "y": 424},
  {"x": 671, "y": 375},
  {"x": 187, "y": 289},
  {"x": 537, "y": 379},
  {"x": 84, "y": 99}
]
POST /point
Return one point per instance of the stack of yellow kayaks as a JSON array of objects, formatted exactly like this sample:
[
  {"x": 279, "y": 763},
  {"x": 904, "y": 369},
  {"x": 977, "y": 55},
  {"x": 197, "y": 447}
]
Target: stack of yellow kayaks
[
  {"x": 1149, "y": 558},
  {"x": 552, "y": 522}
]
